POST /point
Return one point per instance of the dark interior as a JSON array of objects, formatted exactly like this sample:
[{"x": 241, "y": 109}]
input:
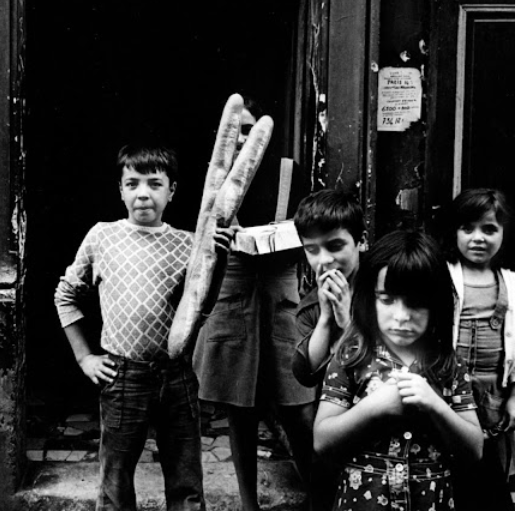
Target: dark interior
[{"x": 101, "y": 74}]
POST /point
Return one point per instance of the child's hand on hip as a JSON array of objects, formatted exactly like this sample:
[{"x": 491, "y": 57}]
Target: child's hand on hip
[{"x": 97, "y": 368}]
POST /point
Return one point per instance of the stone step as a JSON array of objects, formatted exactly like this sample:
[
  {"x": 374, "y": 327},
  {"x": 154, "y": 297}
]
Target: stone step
[{"x": 61, "y": 486}]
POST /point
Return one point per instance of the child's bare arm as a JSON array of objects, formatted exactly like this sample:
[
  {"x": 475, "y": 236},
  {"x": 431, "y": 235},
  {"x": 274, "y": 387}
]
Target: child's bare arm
[
  {"x": 460, "y": 431},
  {"x": 338, "y": 430},
  {"x": 320, "y": 342},
  {"x": 95, "y": 367}
]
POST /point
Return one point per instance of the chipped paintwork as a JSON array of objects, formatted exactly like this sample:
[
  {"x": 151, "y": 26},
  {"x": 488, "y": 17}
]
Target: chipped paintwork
[
  {"x": 317, "y": 55},
  {"x": 12, "y": 270},
  {"x": 405, "y": 56},
  {"x": 407, "y": 199}
]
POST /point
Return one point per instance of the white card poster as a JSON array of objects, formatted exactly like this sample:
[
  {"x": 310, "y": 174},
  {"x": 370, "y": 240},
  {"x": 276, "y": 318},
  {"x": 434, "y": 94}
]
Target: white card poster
[{"x": 399, "y": 98}]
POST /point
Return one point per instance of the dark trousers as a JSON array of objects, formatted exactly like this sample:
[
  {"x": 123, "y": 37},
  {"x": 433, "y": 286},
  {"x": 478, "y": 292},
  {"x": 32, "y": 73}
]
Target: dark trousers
[
  {"x": 484, "y": 486},
  {"x": 163, "y": 394},
  {"x": 323, "y": 485}
]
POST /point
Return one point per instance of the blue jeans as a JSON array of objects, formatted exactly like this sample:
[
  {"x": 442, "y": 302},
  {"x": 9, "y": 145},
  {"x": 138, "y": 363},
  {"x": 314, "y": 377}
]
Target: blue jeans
[{"x": 163, "y": 394}]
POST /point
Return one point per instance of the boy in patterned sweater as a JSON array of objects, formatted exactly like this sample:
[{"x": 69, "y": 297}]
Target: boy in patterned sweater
[{"x": 138, "y": 265}]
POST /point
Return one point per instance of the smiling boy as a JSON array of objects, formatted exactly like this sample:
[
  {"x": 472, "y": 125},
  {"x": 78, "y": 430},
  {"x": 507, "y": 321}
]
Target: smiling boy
[
  {"x": 332, "y": 229},
  {"x": 138, "y": 265}
]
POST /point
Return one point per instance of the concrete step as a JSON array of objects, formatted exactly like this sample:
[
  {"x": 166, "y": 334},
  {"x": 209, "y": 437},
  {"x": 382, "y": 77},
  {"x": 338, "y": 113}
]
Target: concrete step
[{"x": 61, "y": 486}]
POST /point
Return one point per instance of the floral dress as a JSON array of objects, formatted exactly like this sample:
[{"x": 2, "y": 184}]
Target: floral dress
[{"x": 404, "y": 467}]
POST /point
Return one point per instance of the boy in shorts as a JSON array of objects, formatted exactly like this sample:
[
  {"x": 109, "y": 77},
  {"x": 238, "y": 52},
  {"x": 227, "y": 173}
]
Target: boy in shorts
[{"x": 138, "y": 265}]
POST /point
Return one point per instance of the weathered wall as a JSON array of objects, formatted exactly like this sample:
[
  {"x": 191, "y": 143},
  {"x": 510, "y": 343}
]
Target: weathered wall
[
  {"x": 345, "y": 139},
  {"x": 400, "y": 156},
  {"x": 12, "y": 250},
  {"x": 11, "y": 398},
  {"x": 385, "y": 170}
]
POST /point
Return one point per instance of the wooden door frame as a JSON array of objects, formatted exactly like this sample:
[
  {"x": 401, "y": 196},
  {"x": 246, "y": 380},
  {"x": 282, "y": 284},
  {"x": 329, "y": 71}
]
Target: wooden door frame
[
  {"x": 445, "y": 102},
  {"x": 8, "y": 45},
  {"x": 465, "y": 11},
  {"x": 353, "y": 54}
]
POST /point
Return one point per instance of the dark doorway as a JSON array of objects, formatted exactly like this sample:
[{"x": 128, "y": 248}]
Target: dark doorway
[
  {"x": 488, "y": 119},
  {"x": 471, "y": 106},
  {"x": 101, "y": 73}
]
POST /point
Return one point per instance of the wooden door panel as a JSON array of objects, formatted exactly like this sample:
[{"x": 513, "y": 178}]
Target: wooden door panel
[
  {"x": 470, "y": 140},
  {"x": 484, "y": 140}
]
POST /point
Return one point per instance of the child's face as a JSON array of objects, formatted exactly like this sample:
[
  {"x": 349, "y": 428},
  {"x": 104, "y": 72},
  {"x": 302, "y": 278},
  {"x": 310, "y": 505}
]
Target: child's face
[
  {"x": 399, "y": 324},
  {"x": 478, "y": 242},
  {"x": 333, "y": 250},
  {"x": 146, "y": 196}
]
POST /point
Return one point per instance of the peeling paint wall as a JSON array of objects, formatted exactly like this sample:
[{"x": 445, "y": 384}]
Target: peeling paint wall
[
  {"x": 384, "y": 169},
  {"x": 318, "y": 54},
  {"x": 12, "y": 252},
  {"x": 400, "y": 156},
  {"x": 9, "y": 424}
]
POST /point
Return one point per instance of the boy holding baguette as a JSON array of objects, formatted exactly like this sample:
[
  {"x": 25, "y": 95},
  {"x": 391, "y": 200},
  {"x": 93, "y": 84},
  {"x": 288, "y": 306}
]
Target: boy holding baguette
[{"x": 138, "y": 265}]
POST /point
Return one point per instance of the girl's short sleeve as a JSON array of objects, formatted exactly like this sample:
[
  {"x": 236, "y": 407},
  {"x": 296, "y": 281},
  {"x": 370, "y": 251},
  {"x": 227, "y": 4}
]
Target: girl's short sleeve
[
  {"x": 460, "y": 394},
  {"x": 337, "y": 385}
]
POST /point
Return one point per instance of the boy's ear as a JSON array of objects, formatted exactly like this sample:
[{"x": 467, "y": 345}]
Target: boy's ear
[
  {"x": 363, "y": 243},
  {"x": 172, "y": 191}
]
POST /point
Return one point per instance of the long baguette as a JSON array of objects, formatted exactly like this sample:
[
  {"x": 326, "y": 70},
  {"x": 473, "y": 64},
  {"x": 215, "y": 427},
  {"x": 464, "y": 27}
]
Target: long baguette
[
  {"x": 223, "y": 150},
  {"x": 220, "y": 164},
  {"x": 235, "y": 186},
  {"x": 222, "y": 197}
]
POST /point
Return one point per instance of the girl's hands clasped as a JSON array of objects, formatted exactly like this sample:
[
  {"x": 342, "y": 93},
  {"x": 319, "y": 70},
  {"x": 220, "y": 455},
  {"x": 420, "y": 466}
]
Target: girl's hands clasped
[
  {"x": 401, "y": 390},
  {"x": 386, "y": 399},
  {"x": 415, "y": 390}
]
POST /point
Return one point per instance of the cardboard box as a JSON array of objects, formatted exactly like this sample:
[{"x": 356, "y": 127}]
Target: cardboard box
[{"x": 266, "y": 239}]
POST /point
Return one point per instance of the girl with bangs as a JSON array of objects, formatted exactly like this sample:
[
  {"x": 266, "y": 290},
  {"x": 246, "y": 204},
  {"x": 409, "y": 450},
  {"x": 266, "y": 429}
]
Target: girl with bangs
[
  {"x": 483, "y": 334},
  {"x": 397, "y": 405}
]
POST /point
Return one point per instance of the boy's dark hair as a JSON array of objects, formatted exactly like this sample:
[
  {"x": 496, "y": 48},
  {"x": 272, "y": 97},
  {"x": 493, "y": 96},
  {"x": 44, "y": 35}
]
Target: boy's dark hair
[
  {"x": 327, "y": 210},
  {"x": 147, "y": 159},
  {"x": 417, "y": 271},
  {"x": 470, "y": 206}
]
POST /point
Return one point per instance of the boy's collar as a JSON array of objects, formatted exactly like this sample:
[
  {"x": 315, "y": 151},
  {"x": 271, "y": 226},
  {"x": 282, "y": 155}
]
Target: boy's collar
[{"x": 162, "y": 228}]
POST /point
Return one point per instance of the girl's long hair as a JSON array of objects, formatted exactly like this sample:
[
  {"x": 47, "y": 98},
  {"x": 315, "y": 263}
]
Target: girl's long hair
[{"x": 416, "y": 271}]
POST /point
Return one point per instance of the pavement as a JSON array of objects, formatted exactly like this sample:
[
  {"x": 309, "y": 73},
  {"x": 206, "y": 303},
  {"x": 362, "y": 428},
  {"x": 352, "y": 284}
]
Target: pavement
[{"x": 63, "y": 471}]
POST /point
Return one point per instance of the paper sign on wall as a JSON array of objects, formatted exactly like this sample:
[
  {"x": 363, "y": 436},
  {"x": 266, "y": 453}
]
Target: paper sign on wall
[{"x": 399, "y": 98}]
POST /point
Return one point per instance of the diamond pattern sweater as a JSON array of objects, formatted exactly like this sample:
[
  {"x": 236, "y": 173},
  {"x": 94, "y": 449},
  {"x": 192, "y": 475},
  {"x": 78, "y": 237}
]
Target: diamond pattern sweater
[{"x": 139, "y": 273}]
